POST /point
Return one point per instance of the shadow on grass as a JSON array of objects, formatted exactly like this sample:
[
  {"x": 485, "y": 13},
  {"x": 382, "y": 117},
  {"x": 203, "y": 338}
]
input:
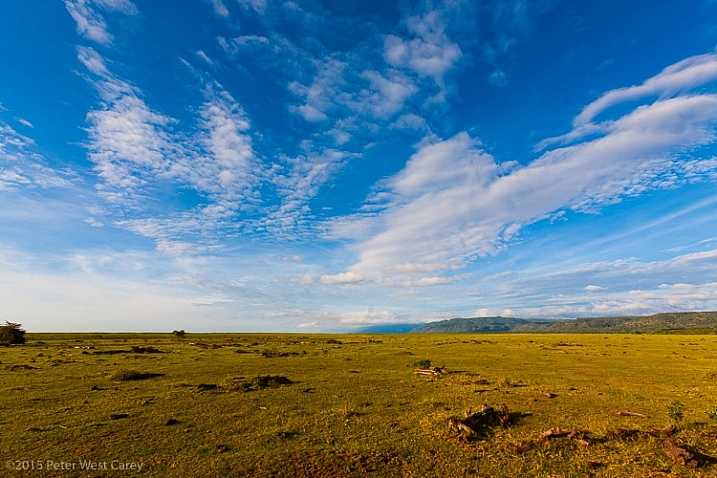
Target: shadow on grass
[{"x": 128, "y": 375}]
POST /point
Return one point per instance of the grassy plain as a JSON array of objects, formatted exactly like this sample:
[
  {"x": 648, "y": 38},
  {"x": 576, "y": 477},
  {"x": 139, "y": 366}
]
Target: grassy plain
[{"x": 353, "y": 407}]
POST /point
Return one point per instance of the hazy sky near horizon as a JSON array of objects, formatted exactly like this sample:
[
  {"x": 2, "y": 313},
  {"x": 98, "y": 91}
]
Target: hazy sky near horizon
[{"x": 258, "y": 165}]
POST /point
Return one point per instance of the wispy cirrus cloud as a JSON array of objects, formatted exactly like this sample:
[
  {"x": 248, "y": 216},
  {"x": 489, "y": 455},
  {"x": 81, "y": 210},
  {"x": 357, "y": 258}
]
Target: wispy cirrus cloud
[
  {"x": 627, "y": 286},
  {"x": 348, "y": 97},
  {"x": 676, "y": 79},
  {"x": 90, "y": 22},
  {"x": 298, "y": 180},
  {"x": 22, "y": 166},
  {"x": 128, "y": 141},
  {"x": 451, "y": 203},
  {"x": 135, "y": 150},
  {"x": 220, "y": 8}
]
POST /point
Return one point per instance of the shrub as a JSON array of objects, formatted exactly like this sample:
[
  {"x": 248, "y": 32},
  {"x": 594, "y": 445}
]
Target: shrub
[
  {"x": 145, "y": 350},
  {"x": 713, "y": 414},
  {"x": 423, "y": 363},
  {"x": 11, "y": 334},
  {"x": 260, "y": 382},
  {"x": 179, "y": 333}
]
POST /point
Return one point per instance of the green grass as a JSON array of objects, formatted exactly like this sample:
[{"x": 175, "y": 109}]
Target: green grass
[{"x": 332, "y": 406}]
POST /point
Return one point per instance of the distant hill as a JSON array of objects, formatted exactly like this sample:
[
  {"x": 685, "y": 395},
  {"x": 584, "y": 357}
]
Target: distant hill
[
  {"x": 652, "y": 323},
  {"x": 475, "y": 325}
]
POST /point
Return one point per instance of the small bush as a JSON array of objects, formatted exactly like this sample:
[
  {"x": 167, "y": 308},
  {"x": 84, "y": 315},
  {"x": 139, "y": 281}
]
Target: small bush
[
  {"x": 11, "y": 334},
  {"x": 260, "y": 382},
  {"x": 272, "y": 353},
  {"x": 423, "y": 363},
  {"x": 676, "y": 411},
  {"x": 334, "y": 341},
  {"x": 179, "y": 333},
  {"x": 145, "y": 350},
  {"x": 713, "y": 414}
]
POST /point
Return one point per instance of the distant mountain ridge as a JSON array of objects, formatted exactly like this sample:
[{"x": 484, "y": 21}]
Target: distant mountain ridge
[
  {"x": 475, "y": 325},
  {"x": 651, "y": 323}
]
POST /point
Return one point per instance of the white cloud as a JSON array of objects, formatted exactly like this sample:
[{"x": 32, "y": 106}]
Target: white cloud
[
  {"x": 219, "y": 8},
  {"x": 430, "y": 281},
  {"x": 122, "y": 6},
  {"x": 297, "y": 182},
  {"x": 306, "y": 280},
  {"x": 90, "y": 23},
  {"x": 259, "y": 6},
  {"x": 21, "y": 165},
  {"x": 305, "y": 325},
  {"x": 25, "y": 122},
  {"x": 429, "y": 54},
  {"x": 341, "y": 278},
  {"x": 682, "y": 282},
  {"x": 498, "y": 78},
  {"x": 319, "y": 97},
  {"x": 412, "y": 268},
  {"x": 128, "y": 141},
  {"x": 680, "y": 77},
  {"x": 594, "y": 288},
  {"x": 452, "y": 203},
  {"x": 228, "y": 165},
  {"x": 203, "y": 56},
  {"x": 386, "y": 95},
  {"x": 410, "y": 121},
  {"x": 135, "y": 150},
  {"x": 367, "y": 317}
]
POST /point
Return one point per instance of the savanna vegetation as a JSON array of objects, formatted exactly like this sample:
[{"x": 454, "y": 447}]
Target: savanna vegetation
[{"x": 359, "y": 405}]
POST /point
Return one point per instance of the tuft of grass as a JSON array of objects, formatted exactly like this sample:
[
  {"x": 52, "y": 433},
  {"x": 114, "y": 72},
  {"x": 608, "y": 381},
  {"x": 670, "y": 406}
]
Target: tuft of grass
[{"x": 676, "y": 411}]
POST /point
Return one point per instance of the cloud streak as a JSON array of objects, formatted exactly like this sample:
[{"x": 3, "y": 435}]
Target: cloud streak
[
  {"x": 450, "y": 204},
  {"x": 136, "y": 150},
  {"x": 90, "y": 22}
]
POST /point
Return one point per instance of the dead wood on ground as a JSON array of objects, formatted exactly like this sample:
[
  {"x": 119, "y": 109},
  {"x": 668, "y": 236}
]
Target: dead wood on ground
[
  {"x": 476, "y": 423},
  {"x": 679, "y": 454}
]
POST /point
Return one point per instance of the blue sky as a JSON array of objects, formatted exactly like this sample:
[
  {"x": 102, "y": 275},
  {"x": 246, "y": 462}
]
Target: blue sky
[{"x": 250, "y": 165}]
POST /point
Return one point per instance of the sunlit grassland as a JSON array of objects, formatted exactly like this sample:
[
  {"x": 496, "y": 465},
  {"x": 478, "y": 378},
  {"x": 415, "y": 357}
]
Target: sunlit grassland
[{"x": 354, "y": 408}]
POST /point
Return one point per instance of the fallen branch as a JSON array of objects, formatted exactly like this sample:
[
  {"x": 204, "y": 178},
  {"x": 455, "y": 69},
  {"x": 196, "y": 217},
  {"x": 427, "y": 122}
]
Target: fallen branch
[
  {"x": 619, "y": 433},
  {"x": 561, "y": 433},
  {"x": 474, "y": 423},
  {"x": 430, "y": 372},
  {"x": 663, "y": 432},
  {"x": 679, "y": 454},
  {"x": 628, "y": 413}
]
